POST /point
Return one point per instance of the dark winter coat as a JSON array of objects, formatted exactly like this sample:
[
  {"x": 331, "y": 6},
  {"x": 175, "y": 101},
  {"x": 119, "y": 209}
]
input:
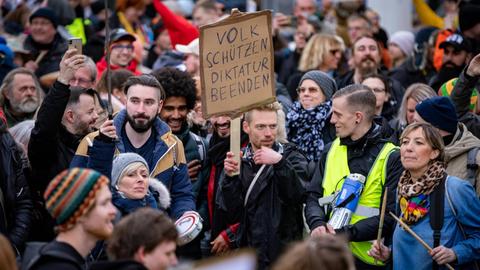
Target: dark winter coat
[
  {"x": 118, "y": 265},
  {"x": 51, "y": 146},
  {"x": 51, "y": 61},
  {"x": 16, "y": 206},
  {"x": 168, "y": 163},
  {"x": 272, "y": 217},
  {"x": 461, "y": 99},
  {"x": 59, "y": 255}
]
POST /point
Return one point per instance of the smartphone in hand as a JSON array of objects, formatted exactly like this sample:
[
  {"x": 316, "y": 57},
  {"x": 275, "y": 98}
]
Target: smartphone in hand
[{"x": 75, "y": 43}]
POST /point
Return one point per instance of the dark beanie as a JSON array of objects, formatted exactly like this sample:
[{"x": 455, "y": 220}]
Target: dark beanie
[
  {"x": 440, "y": 112},
  {"x": 468, "y": 16},
  {"x": 326, "y": 84},
  {"x": 46, "y": 13}
]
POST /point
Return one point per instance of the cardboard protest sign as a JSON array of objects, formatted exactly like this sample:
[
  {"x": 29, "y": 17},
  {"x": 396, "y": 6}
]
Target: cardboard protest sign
[{"x": 236, "y": 63}]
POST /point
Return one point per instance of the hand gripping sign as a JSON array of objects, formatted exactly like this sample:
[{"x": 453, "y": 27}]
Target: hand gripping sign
[{"x": 236, "y": 63}]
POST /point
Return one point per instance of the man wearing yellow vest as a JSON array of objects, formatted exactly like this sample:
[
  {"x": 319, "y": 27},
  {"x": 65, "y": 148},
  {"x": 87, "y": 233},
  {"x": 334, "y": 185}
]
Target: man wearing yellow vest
[{"x": 359, "y": 148}]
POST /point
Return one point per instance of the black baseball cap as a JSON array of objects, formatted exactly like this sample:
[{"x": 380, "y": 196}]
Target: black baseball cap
[
  {"x": 458, "y": 42},
  {"x": 121, "y": 34}
]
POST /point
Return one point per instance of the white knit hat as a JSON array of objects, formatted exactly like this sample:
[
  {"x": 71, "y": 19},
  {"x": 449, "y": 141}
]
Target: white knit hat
[{"x": 405, "y": 40}]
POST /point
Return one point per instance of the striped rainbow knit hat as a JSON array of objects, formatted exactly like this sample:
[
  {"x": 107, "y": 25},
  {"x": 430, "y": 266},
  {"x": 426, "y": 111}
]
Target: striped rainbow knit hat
[{"x": 71, "y": 194}]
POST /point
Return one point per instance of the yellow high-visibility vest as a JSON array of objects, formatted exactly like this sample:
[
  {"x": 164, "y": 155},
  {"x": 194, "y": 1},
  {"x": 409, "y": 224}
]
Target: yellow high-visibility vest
[{"x": 336, "y": 169}]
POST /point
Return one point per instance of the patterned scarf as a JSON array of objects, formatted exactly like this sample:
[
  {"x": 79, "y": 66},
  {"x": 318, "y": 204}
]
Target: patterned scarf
[
  {"x": 306, "y": 126},
  {"x": 413, "y": 193}
]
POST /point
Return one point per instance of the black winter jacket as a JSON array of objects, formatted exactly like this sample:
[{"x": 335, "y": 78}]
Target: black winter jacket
[
  {"x": 16, "y": 208},
  {"x": 461, "y": 99},
  {"x": 58, "y": 255},
  {"x": 361, "y": 156},
  {"x": 51, "y": 61},
  {"x": 51, "y": 146},
  {"x": 272, "y": 217}
]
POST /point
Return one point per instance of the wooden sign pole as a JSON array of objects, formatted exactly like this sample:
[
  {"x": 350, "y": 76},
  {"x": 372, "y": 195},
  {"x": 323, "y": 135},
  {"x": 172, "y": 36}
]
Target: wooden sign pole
[{"x": 235, "y": 139}]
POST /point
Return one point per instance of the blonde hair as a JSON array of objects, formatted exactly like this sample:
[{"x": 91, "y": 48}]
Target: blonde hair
[
  {"x": 316, "y": 50},
  {"x": 418, "y": 92},
  {"x": 271, "y": 107},
  {"x": 132, "y": 167},
  {"x": 281, "y": 131}
]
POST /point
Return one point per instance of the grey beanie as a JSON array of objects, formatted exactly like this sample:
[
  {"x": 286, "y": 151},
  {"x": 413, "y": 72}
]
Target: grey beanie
[
  {"x": 326, "y": 84},
  {"x": 405, "y": 40},
  {"x": 121, "y": 162}
]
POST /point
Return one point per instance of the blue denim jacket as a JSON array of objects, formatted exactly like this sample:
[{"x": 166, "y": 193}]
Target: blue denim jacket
[{"x": 408, "y": 253}]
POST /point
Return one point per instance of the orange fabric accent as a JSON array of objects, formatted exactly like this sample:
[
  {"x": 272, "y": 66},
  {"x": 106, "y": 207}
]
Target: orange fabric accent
[
  {"x": 438, "y": 53},
  {"x": 386, "y": 58}
]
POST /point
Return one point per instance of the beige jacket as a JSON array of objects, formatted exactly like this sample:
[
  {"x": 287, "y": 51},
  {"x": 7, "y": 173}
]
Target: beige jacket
[{"x": 456, "y": 154}]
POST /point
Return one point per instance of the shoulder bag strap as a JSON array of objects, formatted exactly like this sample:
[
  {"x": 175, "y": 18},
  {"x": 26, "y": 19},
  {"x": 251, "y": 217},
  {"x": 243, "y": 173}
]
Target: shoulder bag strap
[
  {"x": 253, "y": 184},
  {"x": 437, "y": 204}
]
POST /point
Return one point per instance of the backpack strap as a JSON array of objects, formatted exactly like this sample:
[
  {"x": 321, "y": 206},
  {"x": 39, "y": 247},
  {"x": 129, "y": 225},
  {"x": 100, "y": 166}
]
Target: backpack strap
[
  {"x": 472, "y": 166},
  {"x": 437, "y": 203}
]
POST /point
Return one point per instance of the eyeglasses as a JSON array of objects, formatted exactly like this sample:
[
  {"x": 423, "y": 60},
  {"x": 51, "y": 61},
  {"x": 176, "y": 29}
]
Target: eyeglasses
[
  {"x": 378, "y": 90},
  {"x": 121, "y": 47},
  {"x": 309, "y": 89}
]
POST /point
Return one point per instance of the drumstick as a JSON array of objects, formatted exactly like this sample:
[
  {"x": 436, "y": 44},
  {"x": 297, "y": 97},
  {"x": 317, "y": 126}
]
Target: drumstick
[
  {"x": 40, "y": 57},
  {"x": 425, "y": 245},
  {"x": 382, "y": 217}
]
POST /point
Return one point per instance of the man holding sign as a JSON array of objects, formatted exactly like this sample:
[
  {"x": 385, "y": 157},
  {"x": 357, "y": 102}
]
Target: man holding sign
[{"x": 267, "y": 194}]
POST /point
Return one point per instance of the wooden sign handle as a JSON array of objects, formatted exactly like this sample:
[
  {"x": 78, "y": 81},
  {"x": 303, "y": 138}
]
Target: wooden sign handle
[{"x": 235, "y": 139}]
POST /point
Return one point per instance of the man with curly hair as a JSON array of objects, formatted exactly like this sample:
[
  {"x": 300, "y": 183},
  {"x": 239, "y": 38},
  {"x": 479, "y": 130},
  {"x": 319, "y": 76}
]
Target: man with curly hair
[{"x": 180, "y": 97}]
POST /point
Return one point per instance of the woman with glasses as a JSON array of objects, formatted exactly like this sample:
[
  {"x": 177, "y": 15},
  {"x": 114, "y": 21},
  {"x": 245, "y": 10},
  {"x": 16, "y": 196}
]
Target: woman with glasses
[
  {"x": 308, "y": 122},
  {"x": 323, "y": 52},
  {"x": 381, "y": 89},
  {"x": 424, "y": 191}
]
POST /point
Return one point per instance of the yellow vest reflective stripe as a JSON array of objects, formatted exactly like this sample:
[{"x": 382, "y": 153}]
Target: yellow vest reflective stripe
[{"x": 336, "y": 169}]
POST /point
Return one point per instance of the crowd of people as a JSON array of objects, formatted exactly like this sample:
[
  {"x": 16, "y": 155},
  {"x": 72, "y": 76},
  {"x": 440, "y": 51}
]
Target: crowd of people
[{"x": 102, "y": 154}]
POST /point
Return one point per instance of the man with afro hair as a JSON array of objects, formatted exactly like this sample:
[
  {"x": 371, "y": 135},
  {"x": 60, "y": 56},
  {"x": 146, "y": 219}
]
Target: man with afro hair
[{"x": 180, "y": 94}]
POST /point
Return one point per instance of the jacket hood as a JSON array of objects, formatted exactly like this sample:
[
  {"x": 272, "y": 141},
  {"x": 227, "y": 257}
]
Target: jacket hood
[
  {"x": 164, "y": 198},
  {"x": 462, "y": 142}
]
